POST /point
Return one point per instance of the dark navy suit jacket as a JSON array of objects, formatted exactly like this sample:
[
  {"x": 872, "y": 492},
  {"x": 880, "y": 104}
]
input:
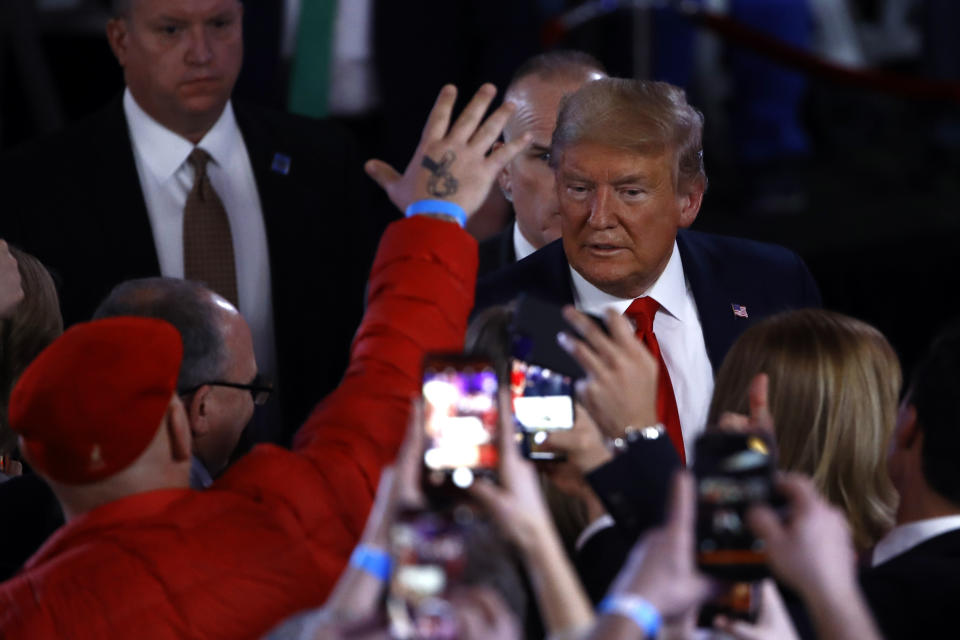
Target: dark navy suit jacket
[
  {"x": 722, "y": 272},
  {"x": 915, "y": 594}
]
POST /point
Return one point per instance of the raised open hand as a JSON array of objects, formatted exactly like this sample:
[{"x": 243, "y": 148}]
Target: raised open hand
[{"x": 452, "y": 162}]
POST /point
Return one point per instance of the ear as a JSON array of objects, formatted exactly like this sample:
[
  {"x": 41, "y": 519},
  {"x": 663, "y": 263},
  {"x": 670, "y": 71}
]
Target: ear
[
  {"x": 908, "y": 434},
  {"x": 181, "y": 442},
  {"x": 117, "y": 33},
  {"x": 198, "y": 411},
  {"x": 504, "y": 178},
  {"x": 690, "y": 197}
]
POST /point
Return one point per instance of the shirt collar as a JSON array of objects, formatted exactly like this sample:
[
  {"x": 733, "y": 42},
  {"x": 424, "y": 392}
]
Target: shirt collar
[
  {"x": 199, "y": 476},
  {"x": 669, "y": 289},
  {"x": 164, "y": 152},
  {"x": 521, "y": 246},
  {"x": 904, "y": 537}
]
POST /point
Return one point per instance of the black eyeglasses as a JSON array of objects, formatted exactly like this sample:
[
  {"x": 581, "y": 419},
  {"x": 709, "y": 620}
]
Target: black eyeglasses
[{"x": 259, "y": 389}]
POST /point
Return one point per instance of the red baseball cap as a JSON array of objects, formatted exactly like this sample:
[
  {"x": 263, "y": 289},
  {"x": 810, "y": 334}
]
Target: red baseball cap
[{"x": 92, "y": 401}]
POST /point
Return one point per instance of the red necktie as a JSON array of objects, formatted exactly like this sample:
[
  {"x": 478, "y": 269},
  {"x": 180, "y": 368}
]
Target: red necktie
[{"x": 642, "y": 311}]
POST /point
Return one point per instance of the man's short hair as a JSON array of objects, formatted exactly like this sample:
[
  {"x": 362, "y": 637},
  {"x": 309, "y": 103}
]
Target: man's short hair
[
  {"x": 188, "y": 307},
  {"x": 933, "y": 392},
  {"x": 640, "y": 116},
  {"x": 561, "y": 63}
]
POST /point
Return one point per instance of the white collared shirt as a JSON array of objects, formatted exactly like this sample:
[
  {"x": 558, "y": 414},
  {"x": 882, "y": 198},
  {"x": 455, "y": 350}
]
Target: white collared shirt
[
  {"x": 679, "y": 334},
  {"x": 166, "y": 179},
  {"x": 521, "y": 246},
  {"x": 904, "y": 537}
]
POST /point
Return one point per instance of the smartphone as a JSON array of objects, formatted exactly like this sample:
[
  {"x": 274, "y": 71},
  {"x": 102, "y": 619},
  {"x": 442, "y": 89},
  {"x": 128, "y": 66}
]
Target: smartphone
[
  {"x": 461, "y": 422},
  {"x": 542, "y": 401},
  {"x": 733, "y": 471},
  {"x": 429, "y": 555}
]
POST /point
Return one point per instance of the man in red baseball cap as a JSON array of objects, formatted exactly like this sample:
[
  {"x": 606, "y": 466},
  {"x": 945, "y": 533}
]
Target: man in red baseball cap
[{"x": 143, "y": 555}]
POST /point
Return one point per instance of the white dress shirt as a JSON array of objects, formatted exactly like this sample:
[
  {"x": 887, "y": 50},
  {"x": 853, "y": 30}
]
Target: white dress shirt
[
  {"x": 679, "y": 334},
  {"x": 166, "y": 179},
  {"x": 521, "y": 246},
  {"x": 904, "y": 537}
]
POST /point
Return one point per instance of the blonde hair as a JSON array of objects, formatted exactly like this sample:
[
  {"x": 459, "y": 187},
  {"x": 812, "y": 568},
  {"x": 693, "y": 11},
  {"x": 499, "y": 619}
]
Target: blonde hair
[
  {"x": 834, "y": 386},
  {"x": 34, "y": 324},
  {"x": 640, "y": 116}
]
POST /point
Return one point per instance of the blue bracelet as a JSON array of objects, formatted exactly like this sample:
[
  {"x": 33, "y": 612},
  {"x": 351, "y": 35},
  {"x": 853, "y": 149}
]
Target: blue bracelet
[
  {"x": 445, "y": 207},
  {"x": 374, "y": 561},
  {"x": 643, "y": 614}
]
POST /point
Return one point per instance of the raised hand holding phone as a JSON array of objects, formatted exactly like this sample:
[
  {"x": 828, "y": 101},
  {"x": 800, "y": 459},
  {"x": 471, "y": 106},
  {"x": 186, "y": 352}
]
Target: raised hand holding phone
[
  {"x": 451, "y": 163},
  {"x": 621, "y": 386}
]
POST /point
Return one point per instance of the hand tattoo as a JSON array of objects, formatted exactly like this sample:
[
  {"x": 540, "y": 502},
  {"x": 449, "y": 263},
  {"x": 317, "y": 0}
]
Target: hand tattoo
[{"x": 441, "y": 183}]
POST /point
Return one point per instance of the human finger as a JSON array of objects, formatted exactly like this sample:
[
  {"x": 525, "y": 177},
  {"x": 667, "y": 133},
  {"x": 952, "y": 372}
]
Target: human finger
[
  {"x": 733, "y": 422},
  {"x": 508, "y": 432},
  {"x": 682, "y": 505},
  {"x": 409, "y": 456},
  {"x": 760, "y": 414},
  {"x": 492, "y": 497},
  {"x": 582, "y": 353},
  {"x": 505, "y": 153},
  {"x": 439, "y": 119},
  {"x": 491, "y": 128},
  {"x": 620, "y": 329},
  {"x": 591, "y": 333},
  {"x": 382, "y": 173},
  {"x": 798, "y": 490},
  {"x": 465, "y": 125},
  {"x": 766, "y": 525}
]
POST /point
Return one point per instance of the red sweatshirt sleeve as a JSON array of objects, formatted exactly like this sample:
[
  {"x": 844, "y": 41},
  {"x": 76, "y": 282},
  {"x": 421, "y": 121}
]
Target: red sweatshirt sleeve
[{"x": 420, "y": 298}]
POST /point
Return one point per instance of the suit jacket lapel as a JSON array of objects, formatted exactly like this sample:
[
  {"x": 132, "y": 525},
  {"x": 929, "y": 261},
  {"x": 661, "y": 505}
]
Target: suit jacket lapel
[{"x": 720, "y": 326}]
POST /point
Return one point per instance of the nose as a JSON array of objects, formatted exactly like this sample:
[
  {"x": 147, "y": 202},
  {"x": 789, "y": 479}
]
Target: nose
[
  {"x": 603, "y": 210},
  {"x": 199, "y": 51}
]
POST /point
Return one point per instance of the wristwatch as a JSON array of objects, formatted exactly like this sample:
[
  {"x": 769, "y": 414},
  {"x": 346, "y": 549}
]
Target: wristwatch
[{"x": 632, "y": 434}]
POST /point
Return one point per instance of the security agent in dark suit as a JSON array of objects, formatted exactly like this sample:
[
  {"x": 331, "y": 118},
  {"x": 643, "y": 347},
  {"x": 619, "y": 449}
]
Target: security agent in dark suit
[
  {"x": 630, "y": 179},
  {"x": 536, "y": 89},
  {"x": 93, "y": 205},
  {"x": 914, "y": 583}
]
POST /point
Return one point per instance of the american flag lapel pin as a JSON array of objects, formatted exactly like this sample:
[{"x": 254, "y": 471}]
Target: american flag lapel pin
[
  {"x": 739, "y": 310},
  {"x": 281, "y": 164}
]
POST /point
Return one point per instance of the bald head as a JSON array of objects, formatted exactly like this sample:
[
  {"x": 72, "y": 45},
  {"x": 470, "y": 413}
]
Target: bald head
[{"x": 196, "y": 312}]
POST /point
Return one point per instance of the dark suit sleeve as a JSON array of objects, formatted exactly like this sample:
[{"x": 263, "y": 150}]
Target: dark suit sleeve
[
  {"x": 634, "y": 486},
  {"x": 600, "y": 559}
]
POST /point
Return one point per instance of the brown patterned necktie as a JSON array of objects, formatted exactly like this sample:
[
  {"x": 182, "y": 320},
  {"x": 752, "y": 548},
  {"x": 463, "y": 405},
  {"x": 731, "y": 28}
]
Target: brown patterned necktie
[{"x": 207, "y": 244}]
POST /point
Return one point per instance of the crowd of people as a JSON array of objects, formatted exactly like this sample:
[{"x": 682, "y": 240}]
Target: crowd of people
[{"x": 216, "y": 264}]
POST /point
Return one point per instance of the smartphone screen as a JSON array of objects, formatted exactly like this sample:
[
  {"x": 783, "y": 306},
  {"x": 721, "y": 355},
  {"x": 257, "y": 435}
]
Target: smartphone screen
[
  {"x": 733, "y": 471},
  {"x": 429, "y": 555},
  {"x": 460, "y": 419},
  {"x": 542, "y": 401}
]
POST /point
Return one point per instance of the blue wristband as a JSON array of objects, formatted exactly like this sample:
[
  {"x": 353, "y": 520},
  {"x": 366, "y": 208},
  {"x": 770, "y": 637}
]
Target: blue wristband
[
  {"x": 445, "y": 207},
  {"x": 643, "y": 614},
  {"x": 374, "y": 561}
]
